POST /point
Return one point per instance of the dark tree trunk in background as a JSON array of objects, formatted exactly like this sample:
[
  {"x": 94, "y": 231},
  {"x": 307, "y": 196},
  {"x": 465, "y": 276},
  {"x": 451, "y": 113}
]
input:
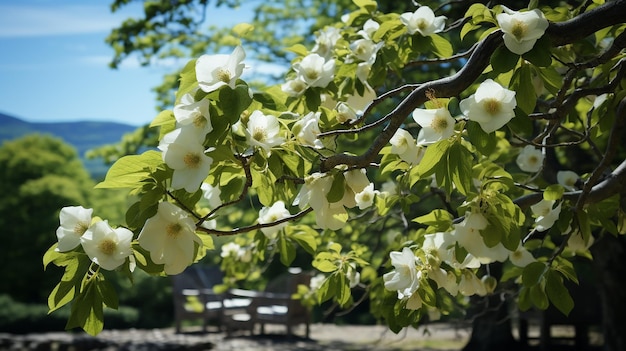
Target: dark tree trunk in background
[
  {"x": 491, "y": 323},
  {"x": 491, "y": 328},
  {"x": 609, "y": 254}
]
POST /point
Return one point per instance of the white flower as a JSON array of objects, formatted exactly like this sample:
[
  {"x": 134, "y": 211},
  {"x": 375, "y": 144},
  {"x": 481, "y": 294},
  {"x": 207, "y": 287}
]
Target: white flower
[
  {"x": 212, "y": 195},
  {"x": 521, "y": 257},
  {"x": 365, "y": 49},
  {"x": 491, "y": 106},
  {"x": 404, "y": 277},
  {"x": 184, "y": 153},
  {"x": 215, "y": 71},
  {"x": 365, "y": 198},
  {"x": 369, "y": 28},
  {"x": 331, "y": 216},
  {"x": 307, "y": 129},
  {"x": 545, "y": 214},
  {"x": 567, "y": 179},
  {"x": 74, "y": 222},
  {"x": 437, "y": 124},
  {"x": 389, "y": 188},
  {"x": 105, "y": 246},
  {"x": 423, "y": 20},
  {"x": 170, "y": 238},
  {"x": 521, "y": 29},
  {"x": 354, "y": 277},
  {"x": 470, "y": 284},
  {"x": 444, "y": 279},
  {"x": 414, "y": 302},
  {"x": 467, "y": 233},
  {"x": 230, "y": 249},
  {"x": 193, "y": 114},
  {"x": 272, "y": 214},
  {"x": 577, "y": 243},
  {"x": 263, "y": 131},
  {"x": 315, "y": 70},
  {"x": 356, "y": 180},
  {"x": 530, "y": 159},
  {"x": 316, "y": 282},
  {"x": 294, "y": 87},
  {"x": 326, "y": 41},
  {"x": 403, "y": 145},
  {"x": 345, "y": 113},
  {"x": 440, "y": 245}
]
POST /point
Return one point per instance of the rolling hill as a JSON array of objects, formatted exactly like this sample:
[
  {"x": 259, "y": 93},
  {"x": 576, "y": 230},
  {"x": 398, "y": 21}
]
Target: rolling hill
[{"x": 82, "y": 135}]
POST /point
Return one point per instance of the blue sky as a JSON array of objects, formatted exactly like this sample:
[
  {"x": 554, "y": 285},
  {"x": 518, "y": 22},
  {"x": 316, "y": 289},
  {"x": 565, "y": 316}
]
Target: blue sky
[{"x": 53, "y": 63}]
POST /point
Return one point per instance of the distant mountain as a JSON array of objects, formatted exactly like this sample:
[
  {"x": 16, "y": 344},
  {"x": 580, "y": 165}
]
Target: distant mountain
[{"x": 82, "y": 135}]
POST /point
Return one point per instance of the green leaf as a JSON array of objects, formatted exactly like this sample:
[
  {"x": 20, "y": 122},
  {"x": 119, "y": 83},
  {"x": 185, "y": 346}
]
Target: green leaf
[
  {"x": 287, "y": 250},
  {"x": 128, "y": 171},
  {"x": 234, "y": 102},
  {"x": 540, "y": 54},
  {"x": 532, "y": 273},
  {"x": 298, "y": 49},
  {"x": 441, "y": 46},
  {"x": 51, "y": 255},
  {"x": 243, "y": 29},
  {"x": 337, "y": 189},
  {"x": 368, "y": 5},
  {"x": 108, "y": 293},
  {"x": 440, "y": 219},
  {"x": 485, "y": 143},
  {"x": 188, "y": 80},
  {"x": 305, "y": 237},
  {"x": 87, "y": 311},
  {"x": 503, "y": 60},
  {"x": 313, "y": 99},
  {"x": 343, "y": 289},
  {"x": 558, "y": 293},
  {"x": 327, "y": 290},
  {"x": 433, "y": 155},
  {"x": 460, "y": 167},
  {"x": 538, "y": 297},
  {"x": 325, "y": 262},
  {"x": 525, "y": 93},
  {"x": 553, "y": 192}
]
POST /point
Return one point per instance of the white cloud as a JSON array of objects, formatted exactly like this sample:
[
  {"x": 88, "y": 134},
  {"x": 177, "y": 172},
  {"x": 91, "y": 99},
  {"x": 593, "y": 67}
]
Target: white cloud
[{"x": 56, "y": 19}]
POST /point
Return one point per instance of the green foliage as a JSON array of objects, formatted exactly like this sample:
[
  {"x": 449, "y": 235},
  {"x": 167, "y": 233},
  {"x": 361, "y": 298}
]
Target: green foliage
[{"x": 414, "y": 224}]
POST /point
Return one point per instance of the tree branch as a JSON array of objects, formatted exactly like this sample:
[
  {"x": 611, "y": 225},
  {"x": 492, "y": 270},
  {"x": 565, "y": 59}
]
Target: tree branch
[{"x": 559, "y": 33}]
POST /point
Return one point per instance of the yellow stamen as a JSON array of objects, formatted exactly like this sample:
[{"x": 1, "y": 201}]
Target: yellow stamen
[
  {"x": 519, "y": 29},
  {"x": 223, "y": 75},
  {"x": 173, "y": 229},
  {"x": 80, "y": 228},
  {"x": 259, "y": 134},
  {"x": 492, "y": 106},
  {"x": 107, "y": 247},
  {"x": 192, "y": 160}
]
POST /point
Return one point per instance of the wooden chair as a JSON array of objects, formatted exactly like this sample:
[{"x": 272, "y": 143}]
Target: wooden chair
[
  {"x": 274, "y": 305},
  {"x": 193, "y": 295}
]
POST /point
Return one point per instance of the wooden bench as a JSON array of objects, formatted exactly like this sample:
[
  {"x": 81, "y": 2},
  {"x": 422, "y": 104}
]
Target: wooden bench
[
  {"x": 192, "y": 291},
  {"x": 274, "y": 305}
]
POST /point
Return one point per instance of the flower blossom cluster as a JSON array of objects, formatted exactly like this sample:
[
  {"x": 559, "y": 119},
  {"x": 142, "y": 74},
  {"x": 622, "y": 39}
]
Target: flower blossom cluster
[
  {"x": 438, "y": 250},
  {"x": 358, "y": 191},
  {"x": 183, "y": 149},
  {"x": 107, "y": 247}
]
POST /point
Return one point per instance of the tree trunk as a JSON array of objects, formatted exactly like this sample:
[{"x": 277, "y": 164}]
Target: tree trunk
[
  {"x": 609, "y": 255},
  {"x": 491, "y": 325},
  {"x": 491, "y": 328}
]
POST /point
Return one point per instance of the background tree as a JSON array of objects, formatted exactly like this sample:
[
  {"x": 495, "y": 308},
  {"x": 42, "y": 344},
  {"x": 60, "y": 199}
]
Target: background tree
[
  {"x": 494, "y": 177},
  {"x": 40, "y": 174}
]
